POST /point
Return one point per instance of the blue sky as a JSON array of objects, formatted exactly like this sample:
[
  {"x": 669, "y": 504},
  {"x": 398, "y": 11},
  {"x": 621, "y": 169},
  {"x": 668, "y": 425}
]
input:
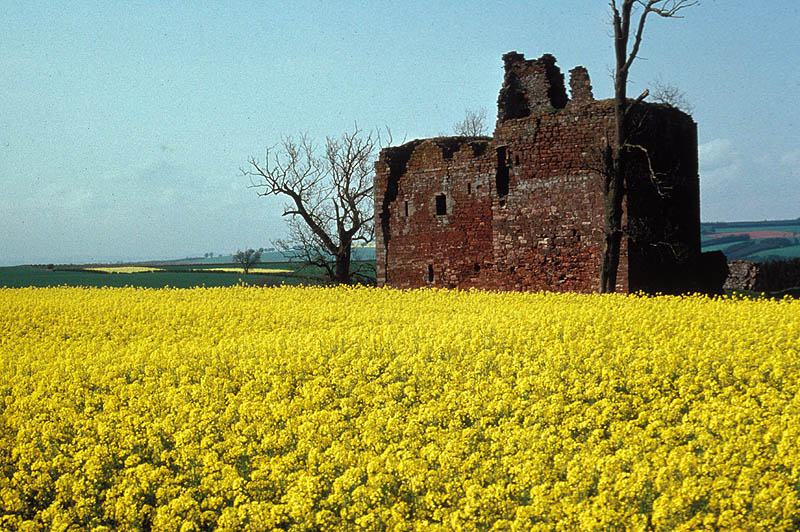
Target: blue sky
[{"x": 123, "y": 125}]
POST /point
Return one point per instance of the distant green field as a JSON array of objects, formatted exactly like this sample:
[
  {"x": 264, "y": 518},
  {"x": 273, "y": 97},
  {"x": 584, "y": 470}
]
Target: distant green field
[
  {"x": 357, "y": 254},
  {"x": 784, "y": 253},
  {"x": 720, "y": 247},
  {"x": 756, "y": 248},
  {"x": 738, "y": 229},
  {"x": 770, "y": 225},
  {"x": 174, "y": 275}
]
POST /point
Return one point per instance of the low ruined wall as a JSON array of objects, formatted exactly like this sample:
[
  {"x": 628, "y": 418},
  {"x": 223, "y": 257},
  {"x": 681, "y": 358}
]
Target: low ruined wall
[
  {"x": 742, "y": 275},
  {"x": 763, "y": 276}
]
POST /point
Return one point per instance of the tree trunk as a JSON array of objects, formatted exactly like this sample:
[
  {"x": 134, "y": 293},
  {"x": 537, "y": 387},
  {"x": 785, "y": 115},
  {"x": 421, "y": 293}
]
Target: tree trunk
[
  {"x": 612, "y": 222},
  {"x": 615, "y": 183},
  {"x": 616, "y": 159},
  {"x": 615, "y": 163},
  {"x": 343, "y": 263}
]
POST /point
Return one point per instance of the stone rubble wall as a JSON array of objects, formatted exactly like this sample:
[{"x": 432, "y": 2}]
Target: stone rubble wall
[{"x": 745, "y": 275}]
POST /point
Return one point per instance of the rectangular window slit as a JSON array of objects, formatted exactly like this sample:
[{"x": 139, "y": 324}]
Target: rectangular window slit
[
  {"x": 406, "y": 207},
  {"x": 441, "y": 205},
  {"x": 501, "y": 177}
]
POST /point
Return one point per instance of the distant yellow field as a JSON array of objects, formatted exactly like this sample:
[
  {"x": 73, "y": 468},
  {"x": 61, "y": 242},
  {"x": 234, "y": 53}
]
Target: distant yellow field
[
  {"x": 125, "y": 269},
  {"x": 239, "y": 270},
  {"x": 345, "y": 409}
]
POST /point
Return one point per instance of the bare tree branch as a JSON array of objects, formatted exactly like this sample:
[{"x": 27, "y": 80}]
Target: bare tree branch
[
  {"x": 670, "y": 95},
  {"x": 473, "y": 124},
  {"x": 247, "y": 258},
  {"x": 329, "y": 196},
  {"x": 667, "y": 9},
  {"x": 661, "y": 189}
]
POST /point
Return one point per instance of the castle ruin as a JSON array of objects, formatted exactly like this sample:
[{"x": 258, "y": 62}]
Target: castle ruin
[{"x": 523, "y": 209}]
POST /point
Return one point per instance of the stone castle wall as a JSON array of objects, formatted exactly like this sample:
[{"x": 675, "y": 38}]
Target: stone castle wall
[
  {"x": 522, "y": 210},
  {"x": 426, "y": 247}
]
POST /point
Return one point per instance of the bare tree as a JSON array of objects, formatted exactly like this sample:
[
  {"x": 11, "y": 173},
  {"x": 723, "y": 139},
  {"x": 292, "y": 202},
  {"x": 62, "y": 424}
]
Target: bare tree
[
  {"x": 670, "y": 95},
  {"x": 473, "y": 125},
  {"x": 247, "y": 258},
  {"x": 329, "y": 201},
  {"x": 617, "y": 156}
]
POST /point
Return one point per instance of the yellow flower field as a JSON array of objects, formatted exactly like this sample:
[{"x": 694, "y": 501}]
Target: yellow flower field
[
  {"x": 239, "y": 269},
  {"x": 124, "y": 269},
  {"x": 368, "y": 409}
]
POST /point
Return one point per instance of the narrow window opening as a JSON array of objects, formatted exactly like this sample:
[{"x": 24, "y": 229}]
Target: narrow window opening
[
  {"x": 430, "y": 273},
  {"x": 406, "y": 207},
  {"x": 501, "y": 177},
  {"x": 516, "y": 159},
  {"x": 469, "y": 188},
  {"x": 441, "y": 205}
]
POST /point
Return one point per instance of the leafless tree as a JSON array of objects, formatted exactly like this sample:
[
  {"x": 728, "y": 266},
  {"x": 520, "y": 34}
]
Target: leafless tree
[
  {"x": 247, "y": 258},
  {"x": 473, "y": 125},
  {"x": 616, "y": 157},
  {"x": 671, "y": 95},
  {"x": 328, "y": 195}
]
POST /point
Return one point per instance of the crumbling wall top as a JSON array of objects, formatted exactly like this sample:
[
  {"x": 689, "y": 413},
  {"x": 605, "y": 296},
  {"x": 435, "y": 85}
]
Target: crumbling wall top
[
  {"x": 530, "y": 85},
  {"x": 580, "y": 86},
  {"x": 397, "y": 157}
]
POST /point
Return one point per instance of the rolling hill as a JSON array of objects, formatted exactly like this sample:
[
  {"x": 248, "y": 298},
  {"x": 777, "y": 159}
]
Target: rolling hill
[{"x": 757, "y": 241}]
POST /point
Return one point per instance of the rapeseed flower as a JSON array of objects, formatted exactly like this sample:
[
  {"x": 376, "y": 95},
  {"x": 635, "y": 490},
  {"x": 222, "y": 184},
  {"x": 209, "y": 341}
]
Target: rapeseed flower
[{"x": 372, "y": 409}]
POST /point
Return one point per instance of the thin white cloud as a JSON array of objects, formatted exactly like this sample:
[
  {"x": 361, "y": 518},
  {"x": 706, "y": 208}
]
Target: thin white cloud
[
  {"x": 717, "y": 154},
  {"x": 721, "y": 172},
  {"x": 748, "y": 184}
]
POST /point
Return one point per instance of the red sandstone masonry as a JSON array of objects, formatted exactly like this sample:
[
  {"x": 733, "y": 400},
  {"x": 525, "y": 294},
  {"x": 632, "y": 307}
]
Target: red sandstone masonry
[{"x": 523, "y": 210}]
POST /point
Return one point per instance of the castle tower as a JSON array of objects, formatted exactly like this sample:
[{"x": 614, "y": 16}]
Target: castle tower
[{"x": 530, "y": 85}]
